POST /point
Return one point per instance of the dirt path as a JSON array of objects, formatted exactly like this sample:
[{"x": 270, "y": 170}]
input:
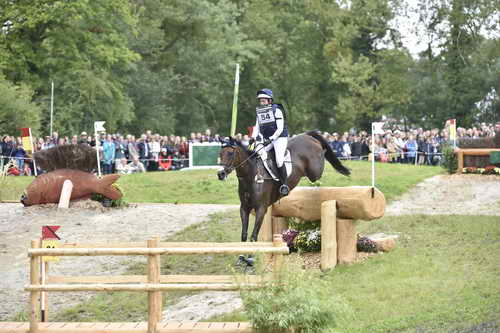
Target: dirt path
[
  {"x": 18, "y": 225},
  {"x": 467, "y": 194},
  {"x": 455, "y": 194}
]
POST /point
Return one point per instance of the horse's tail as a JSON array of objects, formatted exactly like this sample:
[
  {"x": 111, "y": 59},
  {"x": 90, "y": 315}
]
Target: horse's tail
[{"x": 329, "y": 154}]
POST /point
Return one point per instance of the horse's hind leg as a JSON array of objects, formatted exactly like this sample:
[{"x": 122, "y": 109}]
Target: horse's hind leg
[{"x": 315, "y": 170}]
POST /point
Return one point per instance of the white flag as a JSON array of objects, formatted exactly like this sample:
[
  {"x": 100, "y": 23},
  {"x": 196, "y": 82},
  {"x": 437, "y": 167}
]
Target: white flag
[
  {"x": 99, "y": 126},
  {"x": 377, "y": 128}
]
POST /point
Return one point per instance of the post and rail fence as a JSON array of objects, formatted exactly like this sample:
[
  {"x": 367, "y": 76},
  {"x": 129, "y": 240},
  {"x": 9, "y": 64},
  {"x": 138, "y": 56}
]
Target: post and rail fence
[{"x": 153, "y": 283}]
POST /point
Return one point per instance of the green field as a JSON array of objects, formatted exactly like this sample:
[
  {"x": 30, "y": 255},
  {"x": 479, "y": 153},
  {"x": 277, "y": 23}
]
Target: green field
[
  {"x": 202, "y": 186},
  {"x": 443, "y": 275}
]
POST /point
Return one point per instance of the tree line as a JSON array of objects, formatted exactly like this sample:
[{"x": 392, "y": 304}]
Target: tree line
[{"x": 168, "y": 66}]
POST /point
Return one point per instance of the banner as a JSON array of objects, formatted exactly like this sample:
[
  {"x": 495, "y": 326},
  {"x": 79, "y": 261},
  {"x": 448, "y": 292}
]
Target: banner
[
  {"x": 452, "y": 129},
  {"x": 377, "y": 128},
  {"x": 26, "y": 139},
  {"x": 235, "y": 100},
  {"x": 99, "y": 126}
]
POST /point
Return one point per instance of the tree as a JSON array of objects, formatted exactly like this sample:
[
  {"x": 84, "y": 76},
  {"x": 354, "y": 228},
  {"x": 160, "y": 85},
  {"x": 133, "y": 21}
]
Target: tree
[
  {"x": 17, "y": 110},
  {"x": 82, "y": 47}
]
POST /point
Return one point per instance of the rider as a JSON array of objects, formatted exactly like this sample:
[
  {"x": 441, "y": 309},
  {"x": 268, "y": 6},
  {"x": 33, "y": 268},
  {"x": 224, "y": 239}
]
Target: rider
[{"x": 270, "y": 125}]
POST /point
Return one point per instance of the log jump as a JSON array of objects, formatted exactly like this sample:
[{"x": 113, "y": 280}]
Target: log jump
[{"x": 338, "y": 208}]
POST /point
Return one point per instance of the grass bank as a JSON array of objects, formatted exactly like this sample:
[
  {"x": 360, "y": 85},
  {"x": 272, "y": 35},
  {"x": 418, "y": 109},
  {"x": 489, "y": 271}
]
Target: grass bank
[{"x": 202, "y": 186}]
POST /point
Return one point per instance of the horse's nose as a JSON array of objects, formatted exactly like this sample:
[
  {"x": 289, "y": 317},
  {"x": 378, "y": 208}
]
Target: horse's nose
[{"x": 222, "y": 174}]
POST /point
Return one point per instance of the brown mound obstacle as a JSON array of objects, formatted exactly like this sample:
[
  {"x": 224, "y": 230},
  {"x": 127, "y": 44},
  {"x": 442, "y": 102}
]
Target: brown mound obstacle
[
  {"x": 338, "y": 208},
  {"x": 153, "y": 283}
]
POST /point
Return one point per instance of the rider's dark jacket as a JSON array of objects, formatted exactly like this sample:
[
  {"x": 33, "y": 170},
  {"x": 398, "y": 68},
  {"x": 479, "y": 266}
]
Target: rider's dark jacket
[{"x": 267, "y": 118}]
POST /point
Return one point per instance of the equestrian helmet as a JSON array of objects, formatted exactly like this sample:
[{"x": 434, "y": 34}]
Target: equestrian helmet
[{"x": 265, "y": 93}]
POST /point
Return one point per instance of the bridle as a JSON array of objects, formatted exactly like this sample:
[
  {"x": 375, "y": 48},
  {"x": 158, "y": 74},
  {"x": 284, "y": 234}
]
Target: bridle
[{"x": 230, "y": 169}]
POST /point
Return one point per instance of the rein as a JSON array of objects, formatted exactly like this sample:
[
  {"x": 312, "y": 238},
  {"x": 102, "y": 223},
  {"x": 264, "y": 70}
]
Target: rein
[{"x": 231, "y": 168}]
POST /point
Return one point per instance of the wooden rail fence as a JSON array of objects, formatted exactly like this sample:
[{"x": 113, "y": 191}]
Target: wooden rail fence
[{"x": 154, "y": 284}]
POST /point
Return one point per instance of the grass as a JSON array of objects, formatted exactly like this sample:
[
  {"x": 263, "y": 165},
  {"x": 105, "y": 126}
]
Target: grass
[{"x": 202, "y": 186}]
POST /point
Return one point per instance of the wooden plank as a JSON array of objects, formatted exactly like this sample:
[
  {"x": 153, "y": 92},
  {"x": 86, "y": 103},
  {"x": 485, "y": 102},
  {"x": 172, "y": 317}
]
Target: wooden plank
[
  {"x": 346, "y": 241},
  {"x": 140, "y": 327},
  {"x": 477, "y": 151},
  {"x": 188, "y": 324},
  {"x": 163, "y": 244},
  {"x": 460, "y": 157},
  {"x": 172, "y": 324},
  {"x": 140, "y": 287},
  {"x": 34, "y": 295},
  {"x": 154, "y": 297},
  {"x": 162, "y": 250},
  {"x": 216, "y": 325},
  {"x": 328, "y": 234},
  {"x": 143, "y": 279}
]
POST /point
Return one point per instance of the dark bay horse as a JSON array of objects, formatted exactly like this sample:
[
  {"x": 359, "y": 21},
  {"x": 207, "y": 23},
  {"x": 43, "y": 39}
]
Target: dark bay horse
[{"x": 308, "y": 152}]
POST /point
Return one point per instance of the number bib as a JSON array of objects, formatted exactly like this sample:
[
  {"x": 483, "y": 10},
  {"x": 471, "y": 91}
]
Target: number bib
[{"x": 265, "y": 115}]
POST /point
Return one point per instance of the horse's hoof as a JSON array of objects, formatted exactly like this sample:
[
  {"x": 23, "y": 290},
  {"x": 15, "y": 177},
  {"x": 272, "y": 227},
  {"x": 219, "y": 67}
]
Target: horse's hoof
[
  {"x": 241, "y": 260},
  {"x": 250, "y": 261}
]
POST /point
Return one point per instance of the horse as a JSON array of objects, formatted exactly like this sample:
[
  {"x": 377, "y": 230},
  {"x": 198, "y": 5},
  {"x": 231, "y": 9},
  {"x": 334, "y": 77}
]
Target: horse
[{"x": 308, "y": 152}]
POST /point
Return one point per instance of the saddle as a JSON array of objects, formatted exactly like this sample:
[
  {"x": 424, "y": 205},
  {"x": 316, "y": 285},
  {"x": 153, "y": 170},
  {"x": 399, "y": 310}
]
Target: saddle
[{"x": 269, "y": 163}]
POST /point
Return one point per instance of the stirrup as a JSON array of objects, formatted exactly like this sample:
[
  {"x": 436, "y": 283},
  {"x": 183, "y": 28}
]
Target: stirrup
[{"x": 284, "y": 190}]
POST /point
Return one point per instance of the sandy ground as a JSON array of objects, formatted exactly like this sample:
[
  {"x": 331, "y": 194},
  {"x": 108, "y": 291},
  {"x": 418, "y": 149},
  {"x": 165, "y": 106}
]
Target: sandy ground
[
  {"x": 19, "y": 225},
  {"x": 465, "y": 194}
]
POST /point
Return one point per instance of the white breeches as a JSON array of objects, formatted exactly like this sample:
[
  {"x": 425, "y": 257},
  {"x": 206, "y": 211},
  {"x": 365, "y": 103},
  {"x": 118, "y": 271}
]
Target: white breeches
[{"x": 279, "y": 146}]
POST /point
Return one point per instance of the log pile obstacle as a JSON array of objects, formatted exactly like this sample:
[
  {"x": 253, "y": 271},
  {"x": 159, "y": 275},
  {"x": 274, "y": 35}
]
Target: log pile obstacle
[
  {"x": 154, "y": 284},
  {"x": 338, "y": 208}
]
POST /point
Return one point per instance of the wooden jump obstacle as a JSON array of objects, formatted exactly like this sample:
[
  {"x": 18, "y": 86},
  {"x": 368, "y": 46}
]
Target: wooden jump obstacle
[
  {"x": 471, "y": 152},
  {"x": 338, "y": 208},
  {"x": 154, "y": 284}
]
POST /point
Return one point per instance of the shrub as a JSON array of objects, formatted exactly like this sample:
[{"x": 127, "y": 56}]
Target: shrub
[
  {"x": 297, "y": 299},
  {"x": 111, "y": 203},
  {"x": 450, "y": 161}
]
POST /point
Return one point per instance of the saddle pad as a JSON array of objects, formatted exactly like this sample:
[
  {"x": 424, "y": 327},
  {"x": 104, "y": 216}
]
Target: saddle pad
[{"x": 288, "y": 166}]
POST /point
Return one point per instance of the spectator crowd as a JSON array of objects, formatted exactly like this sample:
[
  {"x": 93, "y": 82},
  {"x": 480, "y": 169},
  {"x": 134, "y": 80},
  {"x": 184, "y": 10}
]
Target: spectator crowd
[{"x": 127, "y": 154}]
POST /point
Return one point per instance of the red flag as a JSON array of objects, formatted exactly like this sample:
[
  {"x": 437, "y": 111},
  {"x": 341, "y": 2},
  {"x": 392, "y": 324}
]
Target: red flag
[{"x": 49, "y": 232}]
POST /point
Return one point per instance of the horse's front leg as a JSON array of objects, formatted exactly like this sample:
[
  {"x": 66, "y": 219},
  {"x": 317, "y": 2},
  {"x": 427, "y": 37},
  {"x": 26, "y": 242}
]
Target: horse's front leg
[
  {"x": 244, "y": 214},
  {"x": 260, "y": 212}
]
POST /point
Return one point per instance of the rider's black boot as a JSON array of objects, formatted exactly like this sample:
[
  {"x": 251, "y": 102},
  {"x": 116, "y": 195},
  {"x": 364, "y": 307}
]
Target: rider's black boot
[{"x": 284, "y": 190}]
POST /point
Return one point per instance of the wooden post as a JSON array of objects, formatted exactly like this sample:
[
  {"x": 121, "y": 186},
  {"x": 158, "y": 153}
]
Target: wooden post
[
  {"x": 154, "y": 307},
  {"x": 280, "y": 224},
  {"x": 328, "y": 234},
  {"x": 346, "y": 241},
  {"x": 35, "y": 295},
  {"x": 460, "y": 156},
  {"x": 65, "y": 194},
  {"x": 266, "y": 230},
  {"x": 277, "y": 258},
  {"x": 45, "y": 295}
]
